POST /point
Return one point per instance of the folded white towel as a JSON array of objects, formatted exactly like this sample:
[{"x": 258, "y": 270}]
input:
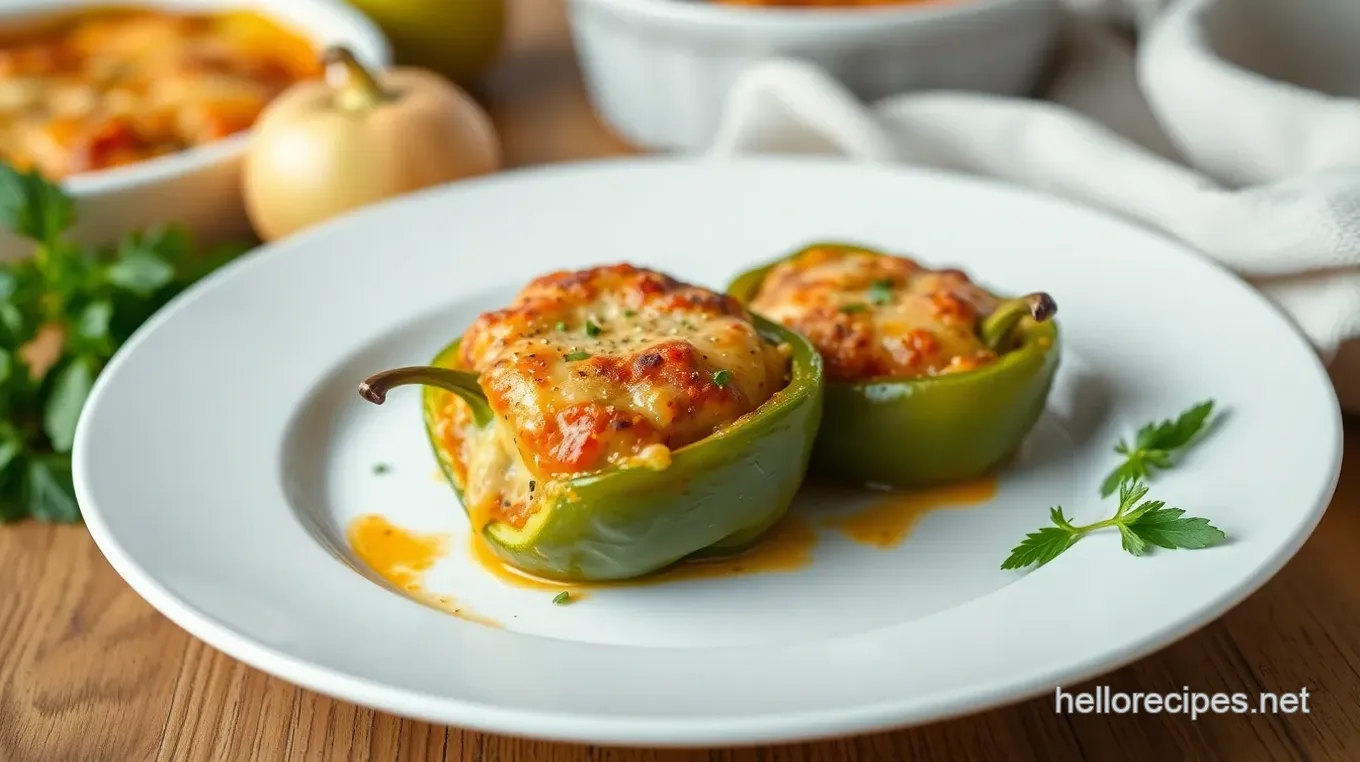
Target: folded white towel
[{"x": 1234, "y": 126}]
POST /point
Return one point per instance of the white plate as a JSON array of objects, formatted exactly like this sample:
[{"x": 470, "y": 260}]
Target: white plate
[{"x": 224, "y": 449}]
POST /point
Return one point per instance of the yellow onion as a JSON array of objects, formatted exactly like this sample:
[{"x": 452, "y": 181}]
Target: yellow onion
[{"x": 324, "y": 148}]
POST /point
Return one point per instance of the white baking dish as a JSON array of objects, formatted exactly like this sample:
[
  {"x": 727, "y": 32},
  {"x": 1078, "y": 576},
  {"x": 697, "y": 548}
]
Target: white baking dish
[
  {"x": 658, "y": 70},
  {"x": 198, "y": 187}
]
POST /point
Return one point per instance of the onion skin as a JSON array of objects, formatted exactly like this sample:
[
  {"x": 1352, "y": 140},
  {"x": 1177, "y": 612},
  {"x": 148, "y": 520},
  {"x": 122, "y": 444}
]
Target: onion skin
[{"x": 324, "y": 148}]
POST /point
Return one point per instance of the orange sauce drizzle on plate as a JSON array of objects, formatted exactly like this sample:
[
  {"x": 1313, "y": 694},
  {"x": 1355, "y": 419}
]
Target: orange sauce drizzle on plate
[
  {"x": 786, "y": 548},
  {"x": 402, "y": 557},
  {"x": 887, "y": 522}
]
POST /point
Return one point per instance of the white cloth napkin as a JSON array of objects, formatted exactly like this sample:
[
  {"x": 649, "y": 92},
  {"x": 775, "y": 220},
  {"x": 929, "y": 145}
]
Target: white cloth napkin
[{"x": 1234, "y": 126}]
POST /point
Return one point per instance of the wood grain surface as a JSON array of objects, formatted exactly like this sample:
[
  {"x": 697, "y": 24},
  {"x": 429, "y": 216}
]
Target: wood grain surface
[{"x": 89, "y": 672}]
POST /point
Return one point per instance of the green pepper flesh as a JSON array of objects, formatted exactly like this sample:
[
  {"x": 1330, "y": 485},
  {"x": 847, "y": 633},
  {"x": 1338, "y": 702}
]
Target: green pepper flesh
[
  {"x": 920, "y": 432},
  {"x": 718, "y": 496}
]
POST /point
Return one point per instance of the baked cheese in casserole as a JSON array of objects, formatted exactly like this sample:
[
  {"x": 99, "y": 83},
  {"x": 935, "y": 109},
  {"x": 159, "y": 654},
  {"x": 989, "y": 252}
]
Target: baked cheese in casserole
[{"x": 108, "y": 87}]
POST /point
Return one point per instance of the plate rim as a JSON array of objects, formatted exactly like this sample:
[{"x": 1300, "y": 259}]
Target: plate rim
[{"x": 674, "y": 732}]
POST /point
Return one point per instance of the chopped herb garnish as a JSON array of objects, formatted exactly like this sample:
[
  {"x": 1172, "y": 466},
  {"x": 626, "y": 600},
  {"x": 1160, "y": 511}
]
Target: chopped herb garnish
[
  {"x": 1141, "y": 524},
  {"x": 574, "y": 356},
  {"x": 592, "y": 329},
  {"x": 850, "y": 308},
  {"x": 881, "y": 292},
  {"x": 721, "y": 377},
  {"x": 1157, "y": 446},
  {"x": 380, "y": 468},
  {"x": 562, "y": 598},
  {"x": 629, "y": 313},
  {"x": 561, "y": 326}
]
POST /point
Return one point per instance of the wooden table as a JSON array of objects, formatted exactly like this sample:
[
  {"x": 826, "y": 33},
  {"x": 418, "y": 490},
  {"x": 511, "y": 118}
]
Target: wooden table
[{"x": 88, "y": 671}]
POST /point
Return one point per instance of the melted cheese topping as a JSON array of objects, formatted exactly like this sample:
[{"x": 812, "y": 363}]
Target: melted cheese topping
[
  {"x": 613, "y": 366},
  {"x": 109, "y": 87},
  {"x": 874, "y": 315}
]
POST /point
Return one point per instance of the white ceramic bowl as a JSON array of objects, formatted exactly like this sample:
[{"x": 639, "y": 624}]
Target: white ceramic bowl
[
  {"x": 658, "y": 71},
  {"x": 198, "y": 187}
]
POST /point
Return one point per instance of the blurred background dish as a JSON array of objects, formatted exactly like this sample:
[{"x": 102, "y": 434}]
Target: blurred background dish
[
  {"x": 143, "y": 110},
  {"x": 456, "y": 38},
  {"x": 658, "y": 71},
  {"x": 109, "y": 87}
]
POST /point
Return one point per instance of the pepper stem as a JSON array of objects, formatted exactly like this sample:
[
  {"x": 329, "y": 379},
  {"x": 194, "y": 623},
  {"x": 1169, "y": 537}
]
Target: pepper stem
[
  {"x": 460, "y": 382},
  {"x": 997, "y": 328},
  {"x": 355, "y": 86}
]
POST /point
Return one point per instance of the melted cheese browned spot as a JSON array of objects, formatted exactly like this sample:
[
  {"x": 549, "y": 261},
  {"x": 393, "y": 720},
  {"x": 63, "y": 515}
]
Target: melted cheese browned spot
[
  {"x": 606, "y": 367},
  {"x": 875, "y": 315}
]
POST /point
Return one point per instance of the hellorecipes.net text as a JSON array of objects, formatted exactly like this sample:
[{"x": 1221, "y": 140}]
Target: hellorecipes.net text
[{"x": 1103, "y": 700}]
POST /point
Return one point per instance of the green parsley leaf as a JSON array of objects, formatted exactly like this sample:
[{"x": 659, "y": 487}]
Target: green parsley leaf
[
  {"x": 1185, "y": 428},
  {"x": 592, "y": 329},
  {"x": 1131, "y": 542},
  {"x": 380, "y": 468},
  {"x": 1156, "y": 445},
  {"x": 140, "y": 271},
  {"x": 192, "y": 267},
  {"x": 722, "y": 377},
  {"x": 20, "y": 304},
  {"x": 629, "y": 313},
  {"x": 560, "y": 325},
  {"x": 32, "y": 207},
  {"x": 1141, "y": 525},
  {"x": 9, "y": 283},
  {"x": 881, "y": 292},
  {"x": 1130, "y": 492},
  {"x": 11, "y": 318},
  {"x": 853, "y": 308},
  {"x": 171, "y": 243},
  {"x": 574, "y": 356},
  {"x": 71, "y": 386},
  {"x": 1165, "y": 528},
  {"x": 1040, "y": 547},
  {"x": 562, "y": 598},
  {"x": 48, "y": 490},
  {"x": 93, "y": 322},
  {"x": 1056, "y": 516},
  {"x": 93, "y": 298},
  {"x": 1130, "y": 469},
  {"x": 9, "y": 450}
]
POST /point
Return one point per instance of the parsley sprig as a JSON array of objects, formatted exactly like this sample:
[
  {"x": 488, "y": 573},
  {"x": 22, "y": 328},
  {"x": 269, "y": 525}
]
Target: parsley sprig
[
  {"x": 64, "y": 311},
  {"x": 1157, "y": 445},
  {"x": 1141, "y": 525},
  {"x": 881, "y": 292}
]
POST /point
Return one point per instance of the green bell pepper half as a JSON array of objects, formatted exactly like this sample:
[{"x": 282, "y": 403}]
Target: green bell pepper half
[
  {"x": 921, "y": 432},
  {"x": 718, "y": 496}
]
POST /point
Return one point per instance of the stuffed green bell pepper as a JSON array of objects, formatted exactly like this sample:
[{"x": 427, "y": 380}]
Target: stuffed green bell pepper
[
  {"x": 612, "y": 421},
  {"x": 930, "y": 378}
]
